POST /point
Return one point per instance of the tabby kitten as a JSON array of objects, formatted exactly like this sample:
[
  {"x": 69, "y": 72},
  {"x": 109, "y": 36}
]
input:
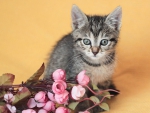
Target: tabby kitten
[{"x": 90, "y": 46}]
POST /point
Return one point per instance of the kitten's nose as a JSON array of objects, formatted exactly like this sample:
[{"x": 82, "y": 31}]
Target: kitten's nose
[
  {"x": 95, "y": 53},
  {"x": 95, "y": 50}
]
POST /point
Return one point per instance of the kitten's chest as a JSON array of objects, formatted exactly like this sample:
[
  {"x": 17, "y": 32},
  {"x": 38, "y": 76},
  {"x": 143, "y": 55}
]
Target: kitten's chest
[{"x": 101, "y": 73}]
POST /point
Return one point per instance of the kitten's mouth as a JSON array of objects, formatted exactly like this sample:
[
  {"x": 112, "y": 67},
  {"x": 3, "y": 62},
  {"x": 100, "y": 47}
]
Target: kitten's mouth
[
  {"x": 89, "y": 63},
  {"x": 94, "y": 56}
]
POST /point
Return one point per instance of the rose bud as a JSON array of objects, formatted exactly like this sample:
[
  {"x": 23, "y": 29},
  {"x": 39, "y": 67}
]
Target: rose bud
[
  {"x": 39, "y": 105},
  {"x": 59, "y": 87},
  {"x": 40, "y": 96},
  {"x": 82, "y": 78},
  {"x": 31, "y": 103},
  {"x": 77, "y": 92},
  {"x": 51, "y": 96},
  {"x": 49, "y": 106},
  {"x": 12, "y": 109},
  {"x": 9, "y": 97},
  {"x": 62, "y": 110},
  {"x": 59, "y": 74},
  {"x": 62, "y": 98},
  {"x": 42, "y": 111},
  {"x": 29, "y": 111}
]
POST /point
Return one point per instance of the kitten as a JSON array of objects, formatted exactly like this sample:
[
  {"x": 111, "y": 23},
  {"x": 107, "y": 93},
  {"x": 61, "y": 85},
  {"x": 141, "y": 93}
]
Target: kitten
[{"x": 90, "y": 46}]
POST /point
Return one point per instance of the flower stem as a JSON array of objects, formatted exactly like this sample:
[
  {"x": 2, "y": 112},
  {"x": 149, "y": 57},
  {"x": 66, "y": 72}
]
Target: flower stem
[
  {"x": 86, "y": 99},
  {"x": 10, "y": 86},
  {"x": 98, "y": 103},
  {"x": 100, "y": 92}
]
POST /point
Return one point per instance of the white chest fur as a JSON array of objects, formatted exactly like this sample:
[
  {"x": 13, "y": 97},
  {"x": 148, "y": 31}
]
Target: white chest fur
[{"x": 101, "y": 73}]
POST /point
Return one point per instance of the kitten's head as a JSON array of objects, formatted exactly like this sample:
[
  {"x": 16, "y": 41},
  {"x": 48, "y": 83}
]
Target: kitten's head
[{"x": 95, "y": 36}]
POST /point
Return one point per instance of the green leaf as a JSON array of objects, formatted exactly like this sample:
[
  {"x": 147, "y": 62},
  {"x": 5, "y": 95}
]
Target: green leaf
[
  {"x": 73, "y": 105},
  {"x": 35, "y": 77},
  {"x": 106, "y": 93},
  {"x": 95, "y": 99},
  {"x": 2, "y": 93},
  {"x": 21, "y": 95},
  {"x": 7, "y": 79},
  {"x": 95, "y": 87},
  {"x": 104, "y": 106}
]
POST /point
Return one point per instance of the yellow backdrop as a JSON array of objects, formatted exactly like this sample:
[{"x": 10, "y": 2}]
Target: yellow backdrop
[{"x": 30, "y": 28}]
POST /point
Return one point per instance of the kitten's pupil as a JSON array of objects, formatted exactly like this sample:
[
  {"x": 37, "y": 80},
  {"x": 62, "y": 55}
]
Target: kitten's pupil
[
  {"x": 104, "y": 42},
  {"x": 86, "y": 41}
]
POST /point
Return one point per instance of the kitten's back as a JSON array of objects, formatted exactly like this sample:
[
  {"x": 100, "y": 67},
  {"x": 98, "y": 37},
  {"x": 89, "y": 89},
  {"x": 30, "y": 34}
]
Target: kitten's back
[{"x": 60, "y": 55}]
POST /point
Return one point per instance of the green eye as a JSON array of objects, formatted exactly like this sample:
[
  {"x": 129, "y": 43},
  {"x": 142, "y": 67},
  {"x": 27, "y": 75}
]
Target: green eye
[
  {"x": 104, "y": 42},
  {"x": 86, "y": 41}
]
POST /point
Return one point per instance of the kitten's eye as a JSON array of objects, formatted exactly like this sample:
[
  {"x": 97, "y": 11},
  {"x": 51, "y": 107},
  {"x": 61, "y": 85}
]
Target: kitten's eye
[
  {"x": 86, "y": 41},
  {"x": 104, "y": 42}
]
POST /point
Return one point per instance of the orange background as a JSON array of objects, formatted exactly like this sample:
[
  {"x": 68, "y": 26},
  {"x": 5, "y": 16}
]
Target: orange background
[{"x": 30, "y": 28}]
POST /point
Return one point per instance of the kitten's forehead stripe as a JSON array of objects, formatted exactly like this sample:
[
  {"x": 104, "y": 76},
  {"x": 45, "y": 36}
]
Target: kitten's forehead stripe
[{"x": 96, "y": 24}]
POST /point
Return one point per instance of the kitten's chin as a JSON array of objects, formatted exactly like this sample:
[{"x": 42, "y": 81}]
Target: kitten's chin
[
  {"x": 93, "y": 59},
  {"x": 96, "y": 57}
]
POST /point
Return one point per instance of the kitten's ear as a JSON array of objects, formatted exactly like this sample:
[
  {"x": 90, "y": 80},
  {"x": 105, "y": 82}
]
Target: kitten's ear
[
  {"x": 113, "y": 20},
  {"x": 79, "y": 19}
]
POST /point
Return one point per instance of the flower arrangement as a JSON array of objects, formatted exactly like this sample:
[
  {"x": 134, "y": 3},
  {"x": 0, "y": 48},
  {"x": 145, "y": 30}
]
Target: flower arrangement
[{"x": 54, "y": 95}]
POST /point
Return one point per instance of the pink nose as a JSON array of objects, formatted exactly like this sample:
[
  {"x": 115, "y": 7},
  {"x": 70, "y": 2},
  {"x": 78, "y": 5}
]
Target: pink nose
[
  {"x": 95, "y": 50},
  {"x": 94, "y": 53}
]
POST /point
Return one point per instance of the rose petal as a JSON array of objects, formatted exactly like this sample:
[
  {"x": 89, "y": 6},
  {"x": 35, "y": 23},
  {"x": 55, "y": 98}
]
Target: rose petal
[
  {"x": 40, "y": 96},
  {"x": 29, "y": 111},
  {"x": 62, "y": 98},
  {"x": 40, "y": 104},
  {"x": 59, "y": 74},
  {"x": 82, "y": 78},
  {"x": 31, "y": 103},
  {"x": 59, "y": 87},
  {"x": 51, "y": 96},
  {"x": 62, "y": 110},
  {"x": 49, "y": 106},
  {"x": 42, "y": 111},
  {"x": 9, "y": 97},
  {"x": 12, "y": 109},
  {"x": 81, "y": 75},
  {"x": 77, "y": 92}
]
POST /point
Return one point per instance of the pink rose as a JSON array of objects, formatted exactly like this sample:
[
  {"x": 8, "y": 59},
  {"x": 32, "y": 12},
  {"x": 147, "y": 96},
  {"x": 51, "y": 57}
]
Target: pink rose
[
  {"x": 59, "y": 87},
  {"x": 62, "y": 98},
  {"x": 9, "y": 97},
  {"x": 84, "y": 112},
  {"x": 82, "y": 78},
  {"x": 59, "y": 74},
  {"x": 40, "y": 96},
  {"x": 38, "y": 104},
  {"x": 42, "y": 111},
  {"x": 12, "y": 109},
  {"x": 51, "y": 96},
  {"x": 49, "y": 106},
  {"x": 32, "y": 103},
  {"x": 62, "y": 110},
  {"x": 29, "y": 111},
  {"x": 77, "y": 92}
]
